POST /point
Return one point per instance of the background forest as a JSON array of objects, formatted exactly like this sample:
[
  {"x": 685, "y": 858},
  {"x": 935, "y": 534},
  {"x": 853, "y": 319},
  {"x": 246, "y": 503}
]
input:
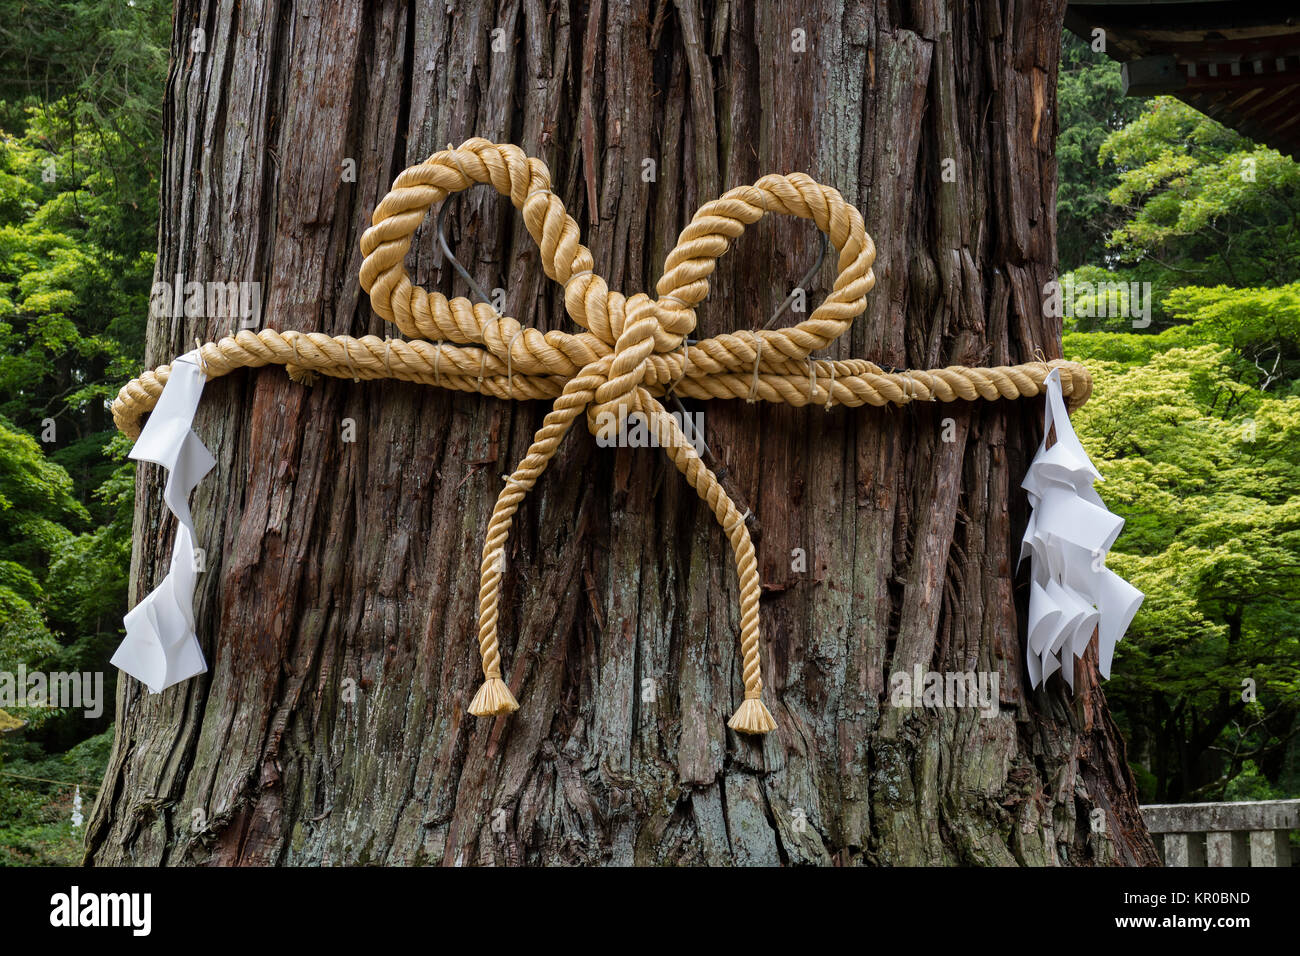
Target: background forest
[{"x": 1194, "y": 421}]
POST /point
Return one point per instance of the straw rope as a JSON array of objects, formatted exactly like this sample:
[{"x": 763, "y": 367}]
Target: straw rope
[{"x": 632, "y": 352}]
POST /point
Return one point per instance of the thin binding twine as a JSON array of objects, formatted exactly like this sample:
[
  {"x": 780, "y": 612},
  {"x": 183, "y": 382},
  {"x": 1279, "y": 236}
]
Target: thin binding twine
[
  {"x": 686, "y": 362},
  {"x": 451, "y": 152},
  {"x": 347, "y": 356},
  {"x": 591, "y": 371},
  {"x": 510, "y": 362},
  {"x": 510, "y": 374},
  {"x": 576, "y": 275}
]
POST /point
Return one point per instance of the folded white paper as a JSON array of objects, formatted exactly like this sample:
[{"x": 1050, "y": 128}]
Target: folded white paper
[
  {"x": 161, "y": 647},
  {"x": 1072, "y": 593}
]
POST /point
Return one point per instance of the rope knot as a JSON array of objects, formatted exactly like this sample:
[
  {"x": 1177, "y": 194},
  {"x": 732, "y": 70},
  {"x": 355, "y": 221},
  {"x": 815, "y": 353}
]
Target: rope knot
[{"x": 642, "y": 334}]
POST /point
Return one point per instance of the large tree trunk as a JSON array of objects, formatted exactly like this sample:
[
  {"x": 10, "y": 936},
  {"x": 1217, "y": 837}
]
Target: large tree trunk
[{"x": 338, "y": 610}]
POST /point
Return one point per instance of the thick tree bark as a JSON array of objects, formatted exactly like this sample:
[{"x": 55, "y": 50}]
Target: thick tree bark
[{"x": 334, "y": 565}]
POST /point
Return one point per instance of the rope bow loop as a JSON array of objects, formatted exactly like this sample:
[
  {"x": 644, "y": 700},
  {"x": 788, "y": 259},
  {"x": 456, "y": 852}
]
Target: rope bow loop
[{"x": 629, "y": 339}]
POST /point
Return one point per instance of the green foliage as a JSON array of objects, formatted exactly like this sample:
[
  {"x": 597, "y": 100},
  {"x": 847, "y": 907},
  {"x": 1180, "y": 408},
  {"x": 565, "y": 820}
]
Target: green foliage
[
  {"x": 96, "y": 67},
  {"x": 36, "y": 815},
  {"x": 1194, "y": 422},
  {"x": 35, "y": 499},
  {"x": 1202, "y": 202},
  {"x": 80, "y": 141},
  {"x": 73, "y": 291},
  {"x": 74, "y": 288},
  {"x": 1091, "y": 106},
  {"x": 1206, "y": 472},
  {"x": 1262, "y": 326}
]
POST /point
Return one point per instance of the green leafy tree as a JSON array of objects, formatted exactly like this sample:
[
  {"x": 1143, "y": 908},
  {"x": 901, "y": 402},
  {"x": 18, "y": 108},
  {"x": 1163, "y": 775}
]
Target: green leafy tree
[
  {"x": 1205, "y": 469},
  {"x": 91, "y": 67},
  {"x": 74, "y": 288},
  {"x": 1261, "y": 326},
  {"x": 1092, "y": 106},
  {"x": 81, "y": 86},
  {"x": 37, "y": 504},
  {"x": 1202, "y": 204}
]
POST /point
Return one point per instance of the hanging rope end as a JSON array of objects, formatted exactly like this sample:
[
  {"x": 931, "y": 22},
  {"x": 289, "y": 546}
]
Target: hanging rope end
[
  {"x": 493, "y": 699},
  {"x": 752, "y": 717}
]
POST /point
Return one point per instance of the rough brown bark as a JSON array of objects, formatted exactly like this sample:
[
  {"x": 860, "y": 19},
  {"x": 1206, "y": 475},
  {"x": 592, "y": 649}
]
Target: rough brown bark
[{"x": 331, "y": 563}]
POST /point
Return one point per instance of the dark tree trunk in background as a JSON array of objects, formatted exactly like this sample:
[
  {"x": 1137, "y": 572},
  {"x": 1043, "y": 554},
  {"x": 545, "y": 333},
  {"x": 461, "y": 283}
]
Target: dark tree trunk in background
[{"x": 333, "y": 565}]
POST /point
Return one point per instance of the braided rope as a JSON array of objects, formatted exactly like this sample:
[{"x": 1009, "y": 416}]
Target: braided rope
[{"x": 633, "y": 351}]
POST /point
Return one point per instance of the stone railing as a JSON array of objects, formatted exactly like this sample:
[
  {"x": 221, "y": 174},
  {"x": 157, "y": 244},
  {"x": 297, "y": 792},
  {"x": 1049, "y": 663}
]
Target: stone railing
[{"x": 1249, "y": 833}]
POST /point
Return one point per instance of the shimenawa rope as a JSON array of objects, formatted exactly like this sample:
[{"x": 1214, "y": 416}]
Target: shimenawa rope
[{"x": 632, "y": 352}]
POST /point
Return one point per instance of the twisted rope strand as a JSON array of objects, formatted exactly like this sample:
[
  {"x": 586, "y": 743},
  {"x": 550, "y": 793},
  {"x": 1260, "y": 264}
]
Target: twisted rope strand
[
  {"x": 633, "y": 350},
  {"x": 456, "y": 367}
]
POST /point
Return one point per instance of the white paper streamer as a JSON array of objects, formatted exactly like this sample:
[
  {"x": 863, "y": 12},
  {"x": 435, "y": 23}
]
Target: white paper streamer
[
  {"x": 1071, "y": 592},
  {"x": 161, "y": 647}
]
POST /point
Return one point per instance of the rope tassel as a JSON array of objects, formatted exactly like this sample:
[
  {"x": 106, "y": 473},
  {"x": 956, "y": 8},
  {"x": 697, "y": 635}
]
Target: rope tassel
[
  {"x": 752, "y": 717},
  {"x": 493, "y": 699},
  {"x": 631, "y": 350}
]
